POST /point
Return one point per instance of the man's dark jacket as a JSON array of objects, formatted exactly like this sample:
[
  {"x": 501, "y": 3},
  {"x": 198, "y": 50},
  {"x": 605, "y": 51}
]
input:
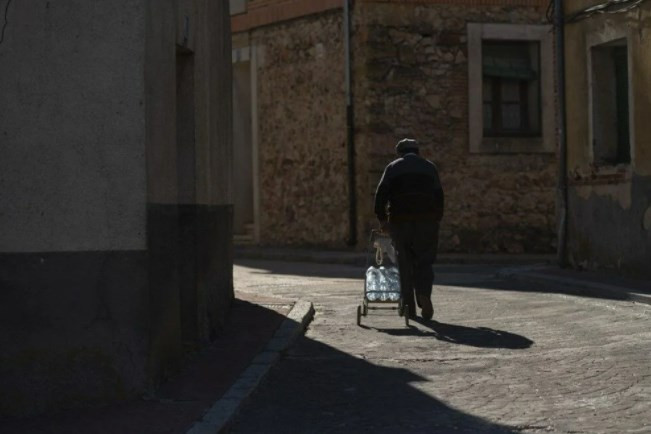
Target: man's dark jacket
[{"x": 412, "y": 189}]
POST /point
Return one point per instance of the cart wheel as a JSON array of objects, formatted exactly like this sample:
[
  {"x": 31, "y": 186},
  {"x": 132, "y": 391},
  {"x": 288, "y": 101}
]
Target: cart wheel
[
  {"x": 401, "y": 308},
  {"x": 407, "y": 320},
  {"x": 359, "y": 315}
]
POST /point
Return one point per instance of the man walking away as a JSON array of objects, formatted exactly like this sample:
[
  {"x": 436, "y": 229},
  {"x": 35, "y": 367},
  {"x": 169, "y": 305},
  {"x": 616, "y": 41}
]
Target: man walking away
[{"x": 409, "y": 202}]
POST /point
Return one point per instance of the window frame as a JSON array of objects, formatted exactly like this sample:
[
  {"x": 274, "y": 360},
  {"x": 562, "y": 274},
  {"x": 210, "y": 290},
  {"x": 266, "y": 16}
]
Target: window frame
[
  {"x": 545, "y": 141},
  {"x": 594, "y": 40}
]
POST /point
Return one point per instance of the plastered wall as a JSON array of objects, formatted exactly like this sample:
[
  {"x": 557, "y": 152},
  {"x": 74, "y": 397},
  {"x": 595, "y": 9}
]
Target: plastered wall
[
  {"x": 72, "y": 127},
  {"x": 609, "y": 205}
]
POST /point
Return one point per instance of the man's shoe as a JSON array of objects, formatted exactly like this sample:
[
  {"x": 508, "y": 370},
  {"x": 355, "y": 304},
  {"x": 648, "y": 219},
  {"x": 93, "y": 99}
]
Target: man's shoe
[{"x": 427, "y": 309}]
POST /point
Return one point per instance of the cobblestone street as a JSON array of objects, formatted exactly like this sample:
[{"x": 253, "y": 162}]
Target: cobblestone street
[{"x": 502, "y": 356}]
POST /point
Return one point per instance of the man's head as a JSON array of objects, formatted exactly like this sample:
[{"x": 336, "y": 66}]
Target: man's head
[{"x": 407, "y": 146}]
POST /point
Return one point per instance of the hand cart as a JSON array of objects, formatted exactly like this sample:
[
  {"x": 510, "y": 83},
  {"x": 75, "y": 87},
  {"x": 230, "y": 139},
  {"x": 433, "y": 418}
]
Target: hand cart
[{"x": 382, "y": 280}]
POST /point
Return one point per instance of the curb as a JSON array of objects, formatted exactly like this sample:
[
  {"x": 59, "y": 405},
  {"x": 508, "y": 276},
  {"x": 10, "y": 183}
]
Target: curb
[
  {"x": 220, "y": 415},
  {"x": 581, "y": 286}
]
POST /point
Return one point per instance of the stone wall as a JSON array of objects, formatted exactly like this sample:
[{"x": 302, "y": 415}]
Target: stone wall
[
  {"x": 302, "y": 131},
  {"x": 411, "y": 72}
]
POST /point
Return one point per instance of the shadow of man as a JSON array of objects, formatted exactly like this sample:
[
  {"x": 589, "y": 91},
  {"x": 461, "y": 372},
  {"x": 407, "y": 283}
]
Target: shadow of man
[{"x": 481, "y": 337}]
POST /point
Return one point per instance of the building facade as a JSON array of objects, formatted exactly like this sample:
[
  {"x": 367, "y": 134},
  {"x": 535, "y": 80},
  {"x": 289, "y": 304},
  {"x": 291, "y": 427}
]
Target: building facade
[
  {"x": 291, "y": 138},
  {"x": 609, "y": 137},
  {"x": 472, "y": 80},
  {"x": 115, "y": 196}
]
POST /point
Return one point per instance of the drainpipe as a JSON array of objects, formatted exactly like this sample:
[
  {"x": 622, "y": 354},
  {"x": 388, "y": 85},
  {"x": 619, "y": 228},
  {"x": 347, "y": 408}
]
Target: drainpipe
[
  {"x": 350, "y": 131},
  {"x": 559, "y": 25}
]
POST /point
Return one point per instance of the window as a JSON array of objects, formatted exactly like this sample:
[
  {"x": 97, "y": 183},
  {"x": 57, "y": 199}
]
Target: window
[
  {"x": 511, "y": 88},
  {"x": 610, "y": 103}
]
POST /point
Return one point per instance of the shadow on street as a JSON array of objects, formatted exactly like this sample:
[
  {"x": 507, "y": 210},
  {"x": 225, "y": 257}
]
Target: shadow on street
[
  {"x": 181, "y": 400},
  {"x": 481, "y": 337},
  {"x": 480, "y": 276},
  {"x": 319, "y": 389}
]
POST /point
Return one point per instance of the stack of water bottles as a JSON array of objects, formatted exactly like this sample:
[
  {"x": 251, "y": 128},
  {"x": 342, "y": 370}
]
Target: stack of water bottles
[{"x": 382, "y": 284}]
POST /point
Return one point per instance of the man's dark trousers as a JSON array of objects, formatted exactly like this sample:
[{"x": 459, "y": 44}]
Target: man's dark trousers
[{"x": 416, "y": 243}]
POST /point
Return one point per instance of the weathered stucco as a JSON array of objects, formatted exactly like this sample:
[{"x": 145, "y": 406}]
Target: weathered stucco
[
  {"x": 411, "y": 64},
  {"x": 608, "y": 204},
  {"x": 302, "y": 131},
  {"x": 605, "y": 235}
]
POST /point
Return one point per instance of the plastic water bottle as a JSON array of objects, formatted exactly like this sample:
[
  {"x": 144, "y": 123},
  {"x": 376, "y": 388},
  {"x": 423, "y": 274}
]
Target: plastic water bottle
[
  {"x": 393, "y": 277},
  {"x": 372, "y": 284},
  {"x": 384, "y": 295},
  {"x": 379, "y": 282}
]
